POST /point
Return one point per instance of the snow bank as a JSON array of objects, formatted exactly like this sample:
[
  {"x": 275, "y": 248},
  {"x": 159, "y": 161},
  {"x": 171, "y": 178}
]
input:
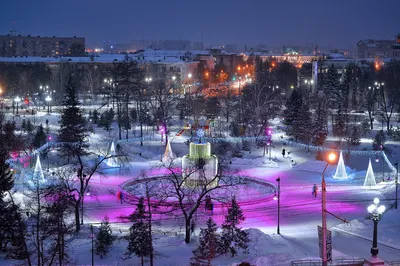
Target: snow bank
[{"x": 259, "y": 162}]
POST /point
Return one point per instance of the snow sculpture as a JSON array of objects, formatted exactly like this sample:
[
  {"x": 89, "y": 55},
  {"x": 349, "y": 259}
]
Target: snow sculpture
[
  {"x": 369, "y": 181},
  {"x": 112, "y": 162},
  {"x": 38, "y": 175},
  {"x": 168, "y": 155},
  {"x": 199, "y": 167},
  {"x": 340, "y": 173}
]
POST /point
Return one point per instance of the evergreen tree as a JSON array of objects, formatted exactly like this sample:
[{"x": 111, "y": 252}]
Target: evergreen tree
[
  {"x": 319, "y": 128},
  {"x": 95, "y": 116},
  {"x": 139, "y": 239},
  {"x": 292, "y": 111},
  {"x": 355, "y": 135},
  {"x": 235, "y": 129},
  {"x": 303, "y": 124},
  {"x": 106, "y": 119},
  {"x": 331, "y": 88},
  {"x": 379, "y": 140},
  {"x": 29, "y": 127},
  {"x": 208, "y": 244},
  {"x": 232, "y": 236},
  {"x": 40, "y": 137},
  {"x": 339, "y": 125},
  {"x": 72, "y": 124},
  {"x": 104, "y": 238},
  {"x": 23, "y": 125}
]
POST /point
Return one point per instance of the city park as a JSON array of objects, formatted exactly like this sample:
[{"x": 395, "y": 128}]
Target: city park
[{"x": 304, "y": 210}]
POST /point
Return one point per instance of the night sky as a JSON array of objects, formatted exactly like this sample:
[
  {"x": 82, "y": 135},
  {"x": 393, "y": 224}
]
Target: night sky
[{"x": 339, "y": 23}]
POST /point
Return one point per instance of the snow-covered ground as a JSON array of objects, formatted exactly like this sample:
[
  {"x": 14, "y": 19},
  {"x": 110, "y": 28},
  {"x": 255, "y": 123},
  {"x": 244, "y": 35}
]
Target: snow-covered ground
[{"x": 300, "y": 211}]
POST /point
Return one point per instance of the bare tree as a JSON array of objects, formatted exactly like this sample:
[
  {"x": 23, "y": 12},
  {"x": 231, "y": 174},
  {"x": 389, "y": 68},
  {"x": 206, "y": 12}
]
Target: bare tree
[
  {"x": 91, "y": 79},
  {"x": 161, "y": 96},
  {"x": 190, "y": 197},
  {"x": 75, "y": 177}
]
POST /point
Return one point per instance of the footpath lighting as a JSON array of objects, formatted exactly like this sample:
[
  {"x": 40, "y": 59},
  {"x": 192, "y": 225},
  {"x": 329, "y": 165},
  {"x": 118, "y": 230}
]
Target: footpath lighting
[
  {"x": 48, "y": 100},
  {"x": 375, "y": 213},
  {"x": 17, "y": 100},
  {"x": 277, "y": 197},
  {"x": 331, "y": 159}
]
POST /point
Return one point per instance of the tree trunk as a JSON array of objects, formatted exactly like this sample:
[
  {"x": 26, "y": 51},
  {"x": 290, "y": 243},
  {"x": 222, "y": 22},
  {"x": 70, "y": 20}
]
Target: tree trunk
[
  {"x": 77, "y": 220},
  {"x": 388, "y": 124},
  {"x": 187, "y": 231},
  {"x": 371, "y": 119}
]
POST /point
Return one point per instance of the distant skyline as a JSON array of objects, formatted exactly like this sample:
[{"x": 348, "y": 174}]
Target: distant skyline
[{"x": 332, "y": 24}]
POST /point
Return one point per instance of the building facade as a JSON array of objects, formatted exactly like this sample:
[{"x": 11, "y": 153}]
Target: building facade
[
  {"x": 374, "y": 48},
  {"x": 17, "y": 45}
]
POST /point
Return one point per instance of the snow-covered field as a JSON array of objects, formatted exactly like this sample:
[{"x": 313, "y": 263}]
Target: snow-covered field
[{"x": 300, "y": 211}]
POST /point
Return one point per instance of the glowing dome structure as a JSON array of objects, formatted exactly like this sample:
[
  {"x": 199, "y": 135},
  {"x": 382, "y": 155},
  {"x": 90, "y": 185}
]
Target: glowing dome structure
[
  {"x": 199, "y": 167},
  {"x": 369, "y": 181},
  {"x": 340, "y": 173}
]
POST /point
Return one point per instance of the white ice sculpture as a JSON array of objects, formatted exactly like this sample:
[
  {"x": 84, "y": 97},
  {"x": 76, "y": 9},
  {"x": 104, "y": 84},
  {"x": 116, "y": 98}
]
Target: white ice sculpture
[
  {"x": 370, "y": 177},
  {"x": 112, "y": 161},
  {"x": 168, "y": 154},
  {"x": 340, "y": 173},
  {"x": 38, "y": 175}
]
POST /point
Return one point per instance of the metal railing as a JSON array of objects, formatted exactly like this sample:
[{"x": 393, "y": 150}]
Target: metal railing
[
  {"x": 340, "y": 262},
  {"x": 393, "y": 263}
]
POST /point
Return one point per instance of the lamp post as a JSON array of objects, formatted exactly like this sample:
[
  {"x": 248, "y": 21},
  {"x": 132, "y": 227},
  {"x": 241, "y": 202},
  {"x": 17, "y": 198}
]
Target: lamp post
[
  {"x": 278, "y": 197},
  {"x": 219, "y": 123},
  {"x": 397, "y": 182},
  {"x": 109, "y": 82},
  {"x": 91, "y": 234},
  {"x": 375, "y": 213},
  {"x": 269, "y": 142},
  {"x": 331, "y": 158},
  {"x": 17, "y": 100},
  {"x": 48, "y": 100},
  {"x": 161, "y": 143}
]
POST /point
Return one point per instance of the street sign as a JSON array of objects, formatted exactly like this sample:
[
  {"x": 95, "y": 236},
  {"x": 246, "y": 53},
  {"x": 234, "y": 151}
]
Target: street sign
[{"x": 328, "y": 243}]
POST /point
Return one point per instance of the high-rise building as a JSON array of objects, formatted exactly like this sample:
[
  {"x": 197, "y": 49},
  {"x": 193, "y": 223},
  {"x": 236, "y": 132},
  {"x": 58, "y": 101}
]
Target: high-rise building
[{"x": 17, "y": 45}]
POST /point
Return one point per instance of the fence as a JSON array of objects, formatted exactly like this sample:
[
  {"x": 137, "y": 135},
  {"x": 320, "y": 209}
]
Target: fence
[{"x": 340, "y": 262}]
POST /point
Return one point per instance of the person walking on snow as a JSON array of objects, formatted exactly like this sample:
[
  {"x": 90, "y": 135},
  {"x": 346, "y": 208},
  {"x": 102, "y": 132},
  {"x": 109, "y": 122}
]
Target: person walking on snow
[
  {"x": 315, "y": 191},
  {"x": 283, "y": 152}
]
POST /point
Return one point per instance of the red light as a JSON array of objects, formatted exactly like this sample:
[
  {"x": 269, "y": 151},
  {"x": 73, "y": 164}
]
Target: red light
[{"x": 49, "y": 137}]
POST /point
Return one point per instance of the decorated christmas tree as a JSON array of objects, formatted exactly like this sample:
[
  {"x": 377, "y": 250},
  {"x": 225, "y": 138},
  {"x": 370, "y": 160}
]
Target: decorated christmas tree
[
  {"x": 340, "y": 173},
  {"x": 38, "y": 175},
  {"x": 168, "y": 154},
  {"x": 370, "y": 177},
  {"x": 112, "y": 162}
]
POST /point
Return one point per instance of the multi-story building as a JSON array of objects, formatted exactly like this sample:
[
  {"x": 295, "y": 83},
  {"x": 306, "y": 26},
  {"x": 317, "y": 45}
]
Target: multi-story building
[
  {"x": 17, "y": 45},
  {"x": 374, "y": 48}
]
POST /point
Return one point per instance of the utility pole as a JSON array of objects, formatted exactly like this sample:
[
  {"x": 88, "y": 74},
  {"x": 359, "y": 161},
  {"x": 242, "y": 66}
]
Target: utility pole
[
  {"x": 397, "y": 182},
  {"x": 279, "y": 203},
  {"x": 91, "y": 230},
  {"x": 323, "y": 184}
]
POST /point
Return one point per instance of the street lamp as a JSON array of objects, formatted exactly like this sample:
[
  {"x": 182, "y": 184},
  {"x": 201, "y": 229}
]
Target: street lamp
[
  {"x": 162, "y": 137},
  {"x": 331, "y": 159},
  {"x": 92, "y": 235},
  {"x": 17, "y": 100},
  {"x": 397, "y": 182},
  {"x": 48, "y": 100},
  {"x": 375, "y": 213},
  {"x": 278, "y": 197},
  {"x": 219, "y": 123}
]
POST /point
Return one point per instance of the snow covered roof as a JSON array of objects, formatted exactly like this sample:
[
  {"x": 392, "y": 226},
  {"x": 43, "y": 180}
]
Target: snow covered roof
[{"x": 101, "y": 58}]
